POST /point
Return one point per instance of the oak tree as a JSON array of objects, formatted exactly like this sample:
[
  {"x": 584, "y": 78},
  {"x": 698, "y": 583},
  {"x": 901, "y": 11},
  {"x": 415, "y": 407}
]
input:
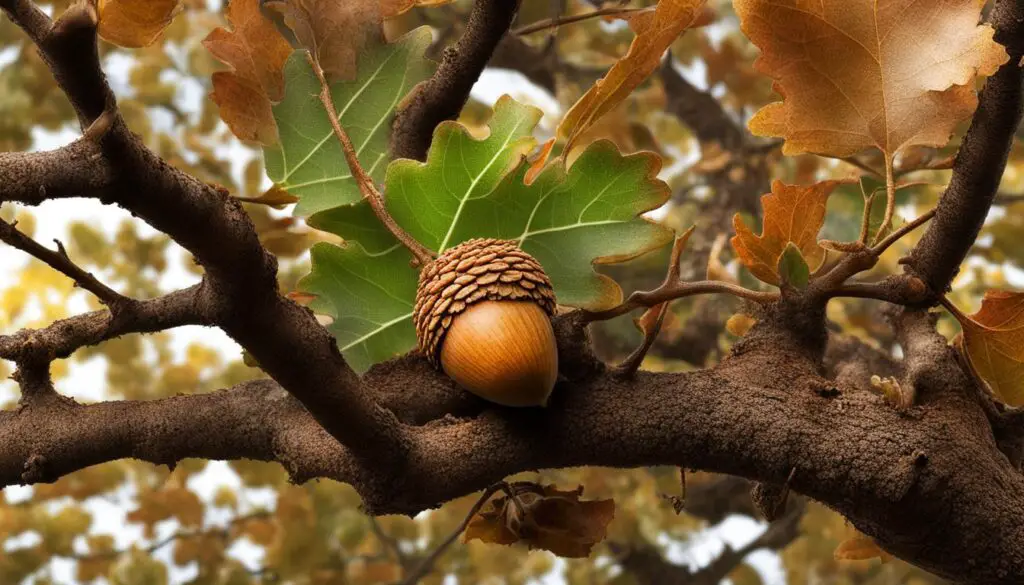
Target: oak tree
[{"x": 766, "y": 277}]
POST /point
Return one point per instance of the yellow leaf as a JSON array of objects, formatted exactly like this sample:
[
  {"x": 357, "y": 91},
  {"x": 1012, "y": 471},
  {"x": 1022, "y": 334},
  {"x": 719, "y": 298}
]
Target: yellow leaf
[
  {"x": 256, "y": 51},
  {"x": 859, "y": 548},
  {"x": 739, "y": 324},
  {"x": 792, "y": 213},
  {"x": 856, "y": 74},
  {"x": 654, "y": 34},
  {"x": 993, "y": 340},
  {"x": 135, "y": 23}
]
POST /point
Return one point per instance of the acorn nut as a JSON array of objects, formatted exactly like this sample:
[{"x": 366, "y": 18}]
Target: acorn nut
[{"x": 483, "y": 315}]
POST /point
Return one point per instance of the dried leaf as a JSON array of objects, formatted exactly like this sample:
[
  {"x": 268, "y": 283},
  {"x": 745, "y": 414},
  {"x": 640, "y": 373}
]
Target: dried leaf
[
  {"x": 993, "y": 340},
  {"x": 334, "y": 32},
  {"x": 135, "y": 23},
  {"x": 654, "y": 35},
  {"x": 861, "y": 73},
  {"x": 390, "y": 8},
  {"x": 792, "y": 213},
  {"x": 859, "y": 548},
  {"x": 539, "y": 161},
  {"x": 257, "y": 52},
  {"x": 274, "y": 197},
  {"x": 550, "y": 519}
]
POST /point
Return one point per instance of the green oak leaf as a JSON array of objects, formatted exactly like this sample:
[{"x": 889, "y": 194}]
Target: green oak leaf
[
  {"x": 567, "y": 219},
  {"x": 369, "y": 292},
  {"x": 793, "y": 269},
  {"x": 429, "y": 199},
  {"x": 307, "y": 161}
]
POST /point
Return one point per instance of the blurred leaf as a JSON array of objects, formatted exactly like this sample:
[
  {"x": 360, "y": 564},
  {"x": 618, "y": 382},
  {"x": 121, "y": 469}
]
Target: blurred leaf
[
  {"x": 393, "y": 8},
  {"x": 654, "y": 34},
  {"x": 135, "y": 23},
  {"x": 859, "y": 548}
]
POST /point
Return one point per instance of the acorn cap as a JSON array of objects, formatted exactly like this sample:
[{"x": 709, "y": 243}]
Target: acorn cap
[{"x": 482, "y": 269}]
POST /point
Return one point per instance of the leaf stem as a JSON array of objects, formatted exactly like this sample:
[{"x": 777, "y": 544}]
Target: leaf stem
[
  {"x": 905, "y": 229},
  {"x": 890, "y": 203},
  {"x": 373, "y": 196},
  {"x": 560, "y": 20},
  {"x": 953, "y": 310},
  {"x": 865, "y": 221}
]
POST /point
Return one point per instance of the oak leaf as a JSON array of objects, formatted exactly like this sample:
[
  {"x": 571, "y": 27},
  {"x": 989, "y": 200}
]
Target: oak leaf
[
  {"x": 135, "y": 23},
  {"x": 792, "y": 213},
  {"x": 654, "y": 34},
  {"x": 334, "y": 32},
  {"x": 993, "y": 340},
  {"x": 856, "y": 74},
  {"x": 568, "y": 219},
  {"x": 256, "y": 52},
  {"x": 859, "y": 548},
  {"x": 544, "y": 517}
]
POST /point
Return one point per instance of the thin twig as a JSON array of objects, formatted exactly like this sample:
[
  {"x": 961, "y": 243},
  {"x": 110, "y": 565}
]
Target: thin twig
[
  {"x": 679, "y": 290},
  {"x": 221, "y": 532},
  {"x": 370, "y": 192},
  {"x": 428, "y": 563},
  {"x": 560, "y": 20},
  {"x": 58, "y": 260},
  {"x": 632, "y": 363},
  {"x": 389, "y": 542},
  {"x": 860, "y": 258},
  {"x": 903, "y": 230}
]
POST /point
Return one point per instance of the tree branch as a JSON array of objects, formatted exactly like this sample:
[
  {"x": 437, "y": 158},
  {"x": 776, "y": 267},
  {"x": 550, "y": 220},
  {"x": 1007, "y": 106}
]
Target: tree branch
[
  {"x": 240, "y": 285},
  {"x": 758, "y": 415},
  {"x": 190, "y": 306},
  {"x": 442, "y": 96},
  {"x": 59, "y": 261},
  {"x": 979, "y": 164}
]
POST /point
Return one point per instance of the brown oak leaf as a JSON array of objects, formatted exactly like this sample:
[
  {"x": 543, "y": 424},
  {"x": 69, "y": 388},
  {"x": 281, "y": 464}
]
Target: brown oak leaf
[
  {"x": 256, "y": 51},
  {"x": 550, "y": 519},
  {"x": 856, "y": 74},
  {"x": 792, "y": 213}
]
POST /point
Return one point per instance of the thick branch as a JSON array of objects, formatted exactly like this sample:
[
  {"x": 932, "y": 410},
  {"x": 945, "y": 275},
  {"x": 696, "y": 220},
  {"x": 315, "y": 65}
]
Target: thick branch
[
  {"x": 979, "y": 164},
  {"x": 758, "y": 415},
  {"x": 442, "y": 96}
]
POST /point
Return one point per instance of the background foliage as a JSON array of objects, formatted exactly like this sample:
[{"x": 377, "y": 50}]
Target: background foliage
[{"x": 129, "y": 523}]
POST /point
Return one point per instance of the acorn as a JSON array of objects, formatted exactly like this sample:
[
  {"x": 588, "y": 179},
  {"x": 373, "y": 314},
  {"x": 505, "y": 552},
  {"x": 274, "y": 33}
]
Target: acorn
[{"x": 483, "y": 315}]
